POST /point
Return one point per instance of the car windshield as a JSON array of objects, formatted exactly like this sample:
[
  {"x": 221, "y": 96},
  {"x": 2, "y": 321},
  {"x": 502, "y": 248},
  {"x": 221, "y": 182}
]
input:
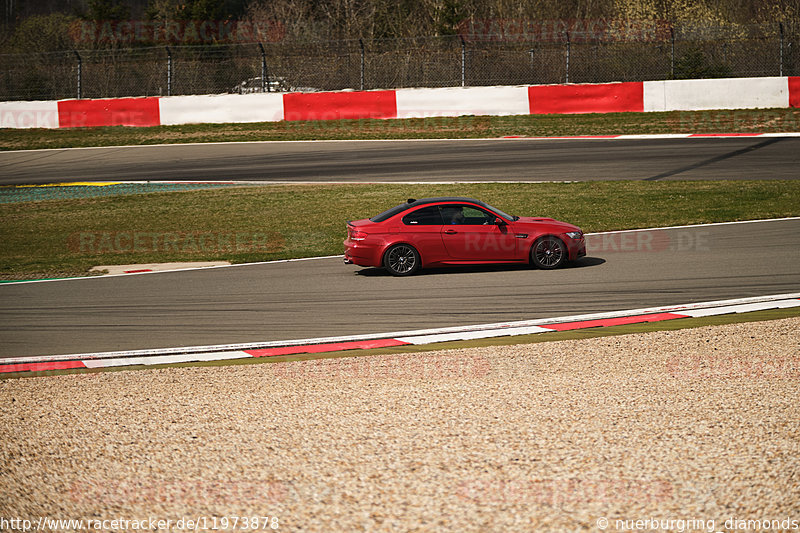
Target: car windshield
[
  {"x": 501, "y": 213},
  {"x": 389, "y": 213}
]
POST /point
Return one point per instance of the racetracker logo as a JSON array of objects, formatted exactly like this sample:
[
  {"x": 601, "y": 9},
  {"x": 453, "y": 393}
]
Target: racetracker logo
[
  {"x": 554, "y": 492},
  {"x": 106, "y": 242},
  {"x": 558, "y": 30},
  {"x": 182, "y": 492},
  {"x": 726, "y": 366},
  {"x": 655, "y": 241},
  {"x": 29, "y": 118},
  {"x": 406, "y": 367},
  {"x": 176, "y": 32}
]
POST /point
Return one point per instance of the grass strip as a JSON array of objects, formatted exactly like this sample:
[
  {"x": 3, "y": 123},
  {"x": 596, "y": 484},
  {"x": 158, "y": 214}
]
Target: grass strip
[
  {"x": 715, "y": 121},
  {"x": 591, "y": 333},
  {"x": 65, "y": 238}
]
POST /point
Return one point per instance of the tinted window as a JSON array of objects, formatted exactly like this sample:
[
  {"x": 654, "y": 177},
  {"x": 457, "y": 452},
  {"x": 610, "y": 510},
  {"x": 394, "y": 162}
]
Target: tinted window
[
  {"x": 427, "y": 216},
  {"x": 389, "y": 213},
  {"x": 466, "y": 215}
]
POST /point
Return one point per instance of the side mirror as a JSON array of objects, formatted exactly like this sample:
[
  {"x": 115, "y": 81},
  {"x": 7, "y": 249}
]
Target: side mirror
[{"x": 499, "y": 221}]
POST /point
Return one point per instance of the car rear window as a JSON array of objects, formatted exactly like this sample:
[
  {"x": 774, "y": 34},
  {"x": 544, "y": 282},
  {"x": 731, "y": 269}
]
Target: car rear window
[
  {"x": 427, "y": 216},
  {"x": 389, "y": 213}
]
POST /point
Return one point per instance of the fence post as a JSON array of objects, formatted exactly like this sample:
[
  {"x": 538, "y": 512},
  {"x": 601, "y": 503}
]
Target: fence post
[
  {"x": 568, "y": 54},
  {"x": 169, "y": 72},
  {"x": 780, "y": 25},
  {"x": 361, "y": 44},
  {"x": 264, "y": 84},
  {"x": 80, "y": 72},
  {"x": 463, "y": 61},
  {"x": 672, "y": 52},
  {"x": 533, "y": 68}
]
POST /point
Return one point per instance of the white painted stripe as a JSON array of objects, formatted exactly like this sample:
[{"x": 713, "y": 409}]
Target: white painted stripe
[
  {"x": 33, "y": 114},
  {"x": 394, "y": 335},
  {"x": 221, "y": 108},
  {"x": 470, "y": 139},
  {"x": 165, "y": 359},
  {"x": 457, "y": 101},
  {"x": 175, "y": 270},
  {"x": 709, "y": 94},
  {"x": 471, "y": 335},
  {"x": 278, "y": 261},
  {"x": 696, "y": 225},
  {"x": 743, "y": 308}
]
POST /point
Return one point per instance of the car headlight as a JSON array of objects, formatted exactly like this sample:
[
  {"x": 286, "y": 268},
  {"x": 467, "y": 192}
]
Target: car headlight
[{"x": 574, "y": 234}]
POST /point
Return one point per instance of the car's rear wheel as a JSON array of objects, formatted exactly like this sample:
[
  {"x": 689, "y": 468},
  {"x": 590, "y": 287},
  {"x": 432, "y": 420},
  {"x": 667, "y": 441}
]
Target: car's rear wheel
[
  {"x": 401, "y": 260},
  {"x": 549, "y": 253}
]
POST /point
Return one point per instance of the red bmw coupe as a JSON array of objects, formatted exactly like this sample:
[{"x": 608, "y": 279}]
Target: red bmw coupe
[{"x": 458, "y": 231}]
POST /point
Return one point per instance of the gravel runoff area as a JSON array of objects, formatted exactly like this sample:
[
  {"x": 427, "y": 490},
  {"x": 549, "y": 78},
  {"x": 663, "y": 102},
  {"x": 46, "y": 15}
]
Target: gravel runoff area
[{"x": 699, "y": 424}]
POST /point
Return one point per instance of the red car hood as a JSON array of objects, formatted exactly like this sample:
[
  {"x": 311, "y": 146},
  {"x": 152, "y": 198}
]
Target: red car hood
[{"x": 555, "y": 225}]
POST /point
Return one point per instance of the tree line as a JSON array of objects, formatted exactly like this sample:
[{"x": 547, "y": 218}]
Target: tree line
[{"x": 51, "y": 26}]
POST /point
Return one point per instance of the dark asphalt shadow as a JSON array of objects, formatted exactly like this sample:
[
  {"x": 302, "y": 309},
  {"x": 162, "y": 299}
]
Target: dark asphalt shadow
[
  {"x": 583, "y": 262},
  {"x": 716, "y": 159}
]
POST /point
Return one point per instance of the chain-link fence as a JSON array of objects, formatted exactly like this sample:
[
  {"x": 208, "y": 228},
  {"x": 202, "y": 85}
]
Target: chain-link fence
[{"x": 468, "y": 60}]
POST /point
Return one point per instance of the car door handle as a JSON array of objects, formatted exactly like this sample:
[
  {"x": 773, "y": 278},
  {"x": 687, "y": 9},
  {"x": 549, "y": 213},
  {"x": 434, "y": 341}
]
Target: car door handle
[{"x": 450, "y": 231}]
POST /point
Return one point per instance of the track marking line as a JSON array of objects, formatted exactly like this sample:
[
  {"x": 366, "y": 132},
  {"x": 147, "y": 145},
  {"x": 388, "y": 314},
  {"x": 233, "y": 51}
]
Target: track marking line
[
  {"x": 383, "y": 340},
  {"x": 278, "y": 261},
  {"x": 470, "y": 139}
]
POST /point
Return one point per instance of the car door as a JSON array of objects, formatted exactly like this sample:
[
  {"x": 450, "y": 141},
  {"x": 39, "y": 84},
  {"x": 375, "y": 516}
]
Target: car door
[
  {"x": 469, "y": 233},
  {"x": 422, "y": 228}
]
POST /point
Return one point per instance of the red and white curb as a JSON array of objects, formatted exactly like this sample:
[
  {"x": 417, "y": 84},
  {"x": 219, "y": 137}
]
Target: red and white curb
[
  {"x": 646, "y": 136},
  {"x": 388, "y": 340}
]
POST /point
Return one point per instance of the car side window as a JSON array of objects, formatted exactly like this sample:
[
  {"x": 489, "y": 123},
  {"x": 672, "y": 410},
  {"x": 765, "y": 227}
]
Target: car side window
[
  {"x": 476, "y": 217},
  {"x": 427, "y": 216},
  {"x": 466, "y": 215}
]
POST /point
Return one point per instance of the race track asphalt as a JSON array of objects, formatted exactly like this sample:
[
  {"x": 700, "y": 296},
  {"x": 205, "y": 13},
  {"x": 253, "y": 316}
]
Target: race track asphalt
[
  {"x": 432, "y": 160},
  {"x": 324, "y": 297}
]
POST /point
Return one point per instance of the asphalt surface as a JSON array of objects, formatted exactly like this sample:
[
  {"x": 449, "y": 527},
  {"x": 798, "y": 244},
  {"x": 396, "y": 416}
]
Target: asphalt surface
[
  {"x": 462, "y": 160},
  {"x": 324, "y": 297}
]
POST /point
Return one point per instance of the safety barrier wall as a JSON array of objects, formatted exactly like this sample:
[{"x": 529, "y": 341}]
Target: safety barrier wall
[{"x": 672, "y": 95}]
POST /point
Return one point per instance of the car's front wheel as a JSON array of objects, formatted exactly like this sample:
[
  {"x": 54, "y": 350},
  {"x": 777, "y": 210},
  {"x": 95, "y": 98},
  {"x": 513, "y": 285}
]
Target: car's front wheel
[
  {"x": 401, "y": 260},
  {"x": 549, "y": 253}
]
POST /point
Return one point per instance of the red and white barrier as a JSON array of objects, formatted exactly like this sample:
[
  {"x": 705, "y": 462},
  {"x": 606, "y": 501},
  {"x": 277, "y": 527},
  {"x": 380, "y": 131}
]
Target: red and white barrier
[
  {"x": 586, "y": 98},
  {"x": 671, "y": 95},
  {"x": 223, "y": 108},
  {"x": 457, "y": 101},
  {"x": 735, "y": 93},
  {"x": 34, "y": 114}
]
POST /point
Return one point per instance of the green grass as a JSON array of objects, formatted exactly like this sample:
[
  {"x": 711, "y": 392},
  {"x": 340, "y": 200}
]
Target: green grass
[
  {"x": 720, "y": 121},
  {"x": 667, "y": 325},
  {"x": 61, "y": 238}
]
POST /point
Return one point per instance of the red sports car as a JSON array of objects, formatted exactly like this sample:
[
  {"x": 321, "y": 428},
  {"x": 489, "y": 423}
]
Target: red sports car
[{"x": 458, "y": 231}]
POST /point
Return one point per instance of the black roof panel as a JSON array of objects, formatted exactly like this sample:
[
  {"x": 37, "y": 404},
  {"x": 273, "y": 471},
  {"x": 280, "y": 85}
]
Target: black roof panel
[{"x": 389, "y": 213}]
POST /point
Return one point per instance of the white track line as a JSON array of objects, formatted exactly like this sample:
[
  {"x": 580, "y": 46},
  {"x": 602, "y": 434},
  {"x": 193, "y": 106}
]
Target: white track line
[
  {"x": 277, "y": 261},
  {"x": 611, "y": 137},
  {"x": 504, "y": 326}
]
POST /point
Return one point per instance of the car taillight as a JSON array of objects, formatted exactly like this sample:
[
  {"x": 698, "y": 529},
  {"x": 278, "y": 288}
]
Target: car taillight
[{"x": 357, "y": 235}]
